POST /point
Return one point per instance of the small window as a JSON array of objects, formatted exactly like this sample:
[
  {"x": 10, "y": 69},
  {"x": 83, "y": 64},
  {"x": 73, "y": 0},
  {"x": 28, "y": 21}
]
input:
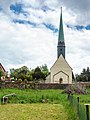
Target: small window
[{"x": 60, "y": 49}]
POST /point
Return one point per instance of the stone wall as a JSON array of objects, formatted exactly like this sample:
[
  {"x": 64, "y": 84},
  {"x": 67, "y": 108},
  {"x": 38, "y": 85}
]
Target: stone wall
[
  {"x": 32, "y": 85},
  {"x": 36, "y": 85}
]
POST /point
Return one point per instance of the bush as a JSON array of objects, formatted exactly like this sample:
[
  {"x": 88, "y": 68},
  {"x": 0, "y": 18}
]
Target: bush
[
  {"x": 19, "y": 80},
  {"x": 25, "y": 81}
]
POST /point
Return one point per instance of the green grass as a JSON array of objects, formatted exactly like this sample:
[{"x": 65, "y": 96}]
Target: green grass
[
  {"x": 34, "y": 96},
  {"x": 27, "y": 98},
  {"x": 33, "y": 112},
  {"x": 84, "y": 98}
]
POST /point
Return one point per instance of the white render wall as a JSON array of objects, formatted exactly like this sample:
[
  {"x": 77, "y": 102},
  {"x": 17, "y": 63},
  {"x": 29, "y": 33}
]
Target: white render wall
[
  {"x": 61, "y": 75},
  {"x": 61, "y": 69}
]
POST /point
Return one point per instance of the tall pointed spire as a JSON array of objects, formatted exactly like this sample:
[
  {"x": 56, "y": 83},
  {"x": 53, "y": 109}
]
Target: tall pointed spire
[
  {"x": 61, "y": 34},
  {"x": 61, "y": 43}
]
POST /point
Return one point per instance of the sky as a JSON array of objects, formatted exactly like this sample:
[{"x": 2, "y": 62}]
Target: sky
[{"x": 29, "y": 32}]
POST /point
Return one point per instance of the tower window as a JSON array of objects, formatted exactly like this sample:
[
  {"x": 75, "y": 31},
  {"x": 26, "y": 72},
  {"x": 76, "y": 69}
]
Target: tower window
[{"x": 60, "y": 49}]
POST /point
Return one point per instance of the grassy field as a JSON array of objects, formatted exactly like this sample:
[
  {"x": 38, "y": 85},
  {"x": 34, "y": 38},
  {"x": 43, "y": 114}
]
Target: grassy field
[
  {"x": 84, "y": 98},
  {"x": 28, "y": 103},
  {"x": 33, "y": 112},
  {"x": 34, "y": 96}
]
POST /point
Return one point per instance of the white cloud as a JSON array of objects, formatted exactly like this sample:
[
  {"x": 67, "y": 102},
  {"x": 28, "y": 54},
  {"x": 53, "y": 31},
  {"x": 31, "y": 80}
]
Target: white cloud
[
  {"x": 78, "y": 50},
  {"x": 22, "y": 44}
]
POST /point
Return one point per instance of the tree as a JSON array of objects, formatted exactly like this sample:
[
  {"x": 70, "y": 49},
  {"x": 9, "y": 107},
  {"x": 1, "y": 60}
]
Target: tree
[
  {"x": 21, "y": 73},
  {"x": 73, "y": 76},
  {"x": 1, "y": 74},
  {"x": 38, "y": 74},
  {"x": 84, "y": 75},
  {"x": 44, "y": 69},
  {"x": 24, "y": 73}
]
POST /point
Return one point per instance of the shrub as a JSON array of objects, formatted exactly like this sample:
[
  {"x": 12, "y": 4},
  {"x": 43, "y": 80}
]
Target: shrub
[{"x": 19, "y": 80}]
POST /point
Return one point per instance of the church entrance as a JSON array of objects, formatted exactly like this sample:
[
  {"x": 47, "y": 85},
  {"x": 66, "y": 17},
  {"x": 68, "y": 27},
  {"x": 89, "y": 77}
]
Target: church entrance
[{"x": 60, "y": 80}]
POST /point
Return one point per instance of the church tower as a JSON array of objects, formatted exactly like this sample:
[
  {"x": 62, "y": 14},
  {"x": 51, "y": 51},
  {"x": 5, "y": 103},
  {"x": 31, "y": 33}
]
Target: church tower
[
  {"x": 61, "y": 42},
  {"x": 60, "y": 72}
]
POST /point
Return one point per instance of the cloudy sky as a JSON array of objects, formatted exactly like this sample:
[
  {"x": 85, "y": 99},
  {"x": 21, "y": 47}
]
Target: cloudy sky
[{"x": 29, "y": 32}]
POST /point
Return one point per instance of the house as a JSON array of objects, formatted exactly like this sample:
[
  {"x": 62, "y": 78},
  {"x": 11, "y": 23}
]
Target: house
[{"x": 2, "y": 68}]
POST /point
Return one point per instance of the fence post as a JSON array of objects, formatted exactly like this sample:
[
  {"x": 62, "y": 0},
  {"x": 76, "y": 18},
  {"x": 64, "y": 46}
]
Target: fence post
[
  {"x": 72, "y": 98},
  {"x": 78, "y": 105},
  {"x": 78, "y": 99},
  {"x": 68, "y": 96},
  {"x": 87, "y": 111}
]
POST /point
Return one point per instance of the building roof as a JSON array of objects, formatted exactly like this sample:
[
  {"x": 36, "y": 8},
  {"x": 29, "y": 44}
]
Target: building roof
[
  {"x": 1, "y": 66},
  {"x": 61, "y": 58}
]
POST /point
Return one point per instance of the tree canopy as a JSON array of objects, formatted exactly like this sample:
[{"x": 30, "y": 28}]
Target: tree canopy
[
  {"x": 84, "y": 76},
  {"x": 21, "y": 73},
  {"x": 39, "y": 73}
]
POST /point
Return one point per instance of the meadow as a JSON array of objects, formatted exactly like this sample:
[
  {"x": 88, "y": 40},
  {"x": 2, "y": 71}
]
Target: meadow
[
  {"x": 33, "y": 112},
  {"x": 39, "y": 104},
  {"x": 84, "y": 98}
]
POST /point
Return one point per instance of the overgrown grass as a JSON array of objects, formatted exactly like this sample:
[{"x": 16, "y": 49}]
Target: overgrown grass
[
  {"x": 33, "y": 112},
  {"x": 35, "y": 96},
  {"x": 84, "y": 98}
]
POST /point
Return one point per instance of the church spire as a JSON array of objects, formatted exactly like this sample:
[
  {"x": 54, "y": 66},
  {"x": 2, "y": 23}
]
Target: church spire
[
  {"x": 61, "y": 43},
  {"x": 61, "y": 34}
]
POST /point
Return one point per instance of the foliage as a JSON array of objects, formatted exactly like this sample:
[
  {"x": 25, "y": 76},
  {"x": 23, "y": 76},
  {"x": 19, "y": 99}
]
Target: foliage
[
  {"x": 33, "y": 74},
  {"x": 73, "y": 78},
  {"x": 44, "y": 69},
  {"x": 84, "y": 75},
  {"x": 21, "y": 73},
  {"x": 25, "y": 81},
  {"x": 38, "y": 74},
  {"x": 19, "y": 80},
  {"x": 1, "y": 74}
]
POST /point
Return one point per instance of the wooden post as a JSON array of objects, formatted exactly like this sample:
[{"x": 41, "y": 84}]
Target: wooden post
[
  {"x": 87, "y": 111},
  {"x": 78, "y": 99},
  {"x": 78, "y": 105},
  {"x": 68, "y": 96},
  {"x": 72, "y": 99}
]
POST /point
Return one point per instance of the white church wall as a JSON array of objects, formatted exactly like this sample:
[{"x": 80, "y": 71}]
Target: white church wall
[
  {"x": 61, "y": 69},
  {"x": 48, "y": 79},
  {"x": 61, "y": 78}
]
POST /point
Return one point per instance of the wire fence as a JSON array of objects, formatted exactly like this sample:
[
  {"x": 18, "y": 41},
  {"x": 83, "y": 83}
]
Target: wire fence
[{"x": 82, "y": 110}]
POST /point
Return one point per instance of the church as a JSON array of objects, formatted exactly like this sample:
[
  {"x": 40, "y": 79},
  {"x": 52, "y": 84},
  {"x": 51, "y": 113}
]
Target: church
[{"x": 60, "y": 72}]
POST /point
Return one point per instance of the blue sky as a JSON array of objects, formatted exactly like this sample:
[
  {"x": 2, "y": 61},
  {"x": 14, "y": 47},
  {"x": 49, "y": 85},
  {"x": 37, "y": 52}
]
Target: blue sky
[{"x": 29, "y": 32}]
